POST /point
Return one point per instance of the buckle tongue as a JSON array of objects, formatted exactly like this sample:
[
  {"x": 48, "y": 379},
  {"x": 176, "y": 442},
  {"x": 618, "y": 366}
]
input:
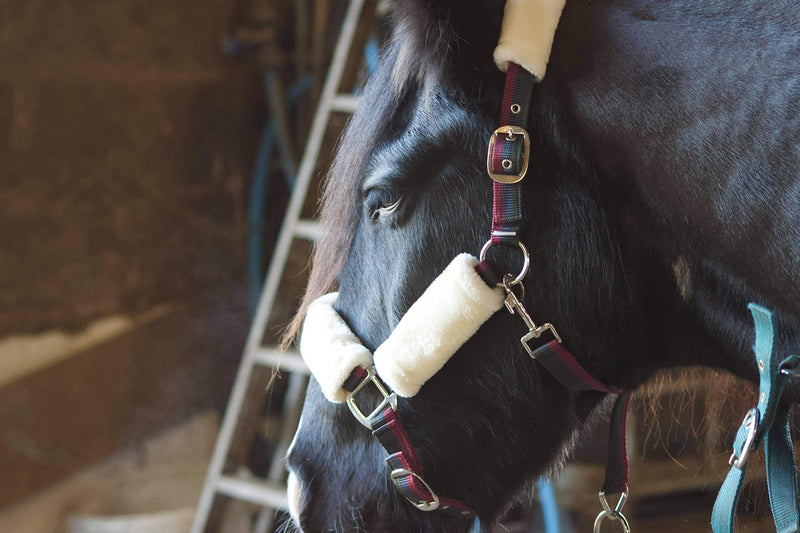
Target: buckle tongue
[
  {"x": 389, "y": 399},
  {"x": 511, "y": 133}
]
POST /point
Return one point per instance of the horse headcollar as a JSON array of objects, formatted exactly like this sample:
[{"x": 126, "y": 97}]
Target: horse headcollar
[
  {"x": 468, "y": 292},
  {"x": 459, "y": 300}
]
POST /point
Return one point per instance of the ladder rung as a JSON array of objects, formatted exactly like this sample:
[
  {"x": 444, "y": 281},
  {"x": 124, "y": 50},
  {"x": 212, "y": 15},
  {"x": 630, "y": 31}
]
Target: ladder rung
[
  {"x": 289, "y": 361},
  {"x": 254, "y": 491},
  {"x": 306, "y": 229},
  {"x": 344, "y": 103}
]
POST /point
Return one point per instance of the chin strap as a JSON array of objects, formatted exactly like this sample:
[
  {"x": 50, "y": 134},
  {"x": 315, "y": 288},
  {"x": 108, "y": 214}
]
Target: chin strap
[{"x": 768, "y": 421}]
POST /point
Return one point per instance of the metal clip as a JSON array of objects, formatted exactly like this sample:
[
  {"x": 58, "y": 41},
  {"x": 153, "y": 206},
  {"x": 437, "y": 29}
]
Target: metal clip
[
  {"x": 389, "y": 399},
  {"x": 612, "y": 514},
  {"x": 750, "y": 422},
  {"x": 514, "y": 306},
  {"x": 791, "y": 368}
]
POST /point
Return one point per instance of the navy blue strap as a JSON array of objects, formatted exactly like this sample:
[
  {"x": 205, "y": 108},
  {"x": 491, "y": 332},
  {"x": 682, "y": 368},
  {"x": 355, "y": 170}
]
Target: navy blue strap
[
  {"x": 616, "y": 477},
  {"x": 508, "y": 156}
]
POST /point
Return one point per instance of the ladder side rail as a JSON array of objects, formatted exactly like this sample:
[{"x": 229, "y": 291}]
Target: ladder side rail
[{"x": 279, "y": 258}]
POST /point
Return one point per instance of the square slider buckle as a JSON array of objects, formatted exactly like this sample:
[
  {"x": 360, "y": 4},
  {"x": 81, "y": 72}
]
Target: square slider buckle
[
  {"x": 511, "y": 133},
  {"x": 388, "y": 398}
]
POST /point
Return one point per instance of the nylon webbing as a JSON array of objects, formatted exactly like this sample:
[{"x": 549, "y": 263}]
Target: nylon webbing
[
  {"x": 507, "y": 204},
  {"x": 769, "y": 421}
]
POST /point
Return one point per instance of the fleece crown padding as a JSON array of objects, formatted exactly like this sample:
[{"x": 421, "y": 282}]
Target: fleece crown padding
[{"x": 526, "y": 36}]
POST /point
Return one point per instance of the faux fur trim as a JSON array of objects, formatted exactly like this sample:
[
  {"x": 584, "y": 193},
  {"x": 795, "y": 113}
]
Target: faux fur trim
[
  {"x": 526, "y": 37},
  {"x": 329, "y": 348},
  {"x": 447, "y": 314}
]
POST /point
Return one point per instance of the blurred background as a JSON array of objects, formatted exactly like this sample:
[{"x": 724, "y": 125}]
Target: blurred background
[{"x": 148, "y": 151}]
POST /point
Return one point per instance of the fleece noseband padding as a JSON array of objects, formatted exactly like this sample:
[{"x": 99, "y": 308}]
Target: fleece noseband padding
[{"x": 449, "y": 312}]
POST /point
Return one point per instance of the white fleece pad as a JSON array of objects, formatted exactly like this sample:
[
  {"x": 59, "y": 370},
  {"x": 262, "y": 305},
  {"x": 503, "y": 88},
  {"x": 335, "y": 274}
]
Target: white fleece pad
[
  {"x": 329, "y": 348},
  {"x": 447, "y": 314},
  {"x": 526, "y": 36}
]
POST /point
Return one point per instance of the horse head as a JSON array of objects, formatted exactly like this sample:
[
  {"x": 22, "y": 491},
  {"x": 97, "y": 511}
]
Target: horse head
[{"x": 407, "y": 193}]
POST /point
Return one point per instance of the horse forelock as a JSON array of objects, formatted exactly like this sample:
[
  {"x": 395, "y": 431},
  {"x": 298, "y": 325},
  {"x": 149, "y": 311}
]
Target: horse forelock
[{"x": 415, "y": 56}]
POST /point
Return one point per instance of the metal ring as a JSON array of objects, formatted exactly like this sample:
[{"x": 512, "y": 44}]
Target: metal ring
[
  {"x": 614, "y": 515},
  {"x": 525, "y": 264}
]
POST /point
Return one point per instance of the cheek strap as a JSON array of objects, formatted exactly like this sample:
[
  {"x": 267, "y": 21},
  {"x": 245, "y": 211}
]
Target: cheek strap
[{"x": 449, "y": 312}]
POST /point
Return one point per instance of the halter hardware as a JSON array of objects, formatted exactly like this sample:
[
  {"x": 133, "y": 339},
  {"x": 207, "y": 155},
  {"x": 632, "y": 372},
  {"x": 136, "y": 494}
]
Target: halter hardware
[
  {"x": 750, "y": 422},
  {"x": 511, "y": 133},
  {"x": 389, "y": 399},
  {"x": 515, "y": 307},
  {"x": 526, "y": 262},
  {"x": 612, "y": 514},
  {"x": 422, "y": 505}
]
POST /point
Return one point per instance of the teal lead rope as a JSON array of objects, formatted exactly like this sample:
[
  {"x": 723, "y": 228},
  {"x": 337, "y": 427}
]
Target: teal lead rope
[{"x": 768, "y": 421}]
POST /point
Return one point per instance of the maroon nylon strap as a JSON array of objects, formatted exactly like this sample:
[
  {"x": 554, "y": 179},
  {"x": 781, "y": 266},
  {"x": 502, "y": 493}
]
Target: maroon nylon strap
[{"x": 508, "y": 156}]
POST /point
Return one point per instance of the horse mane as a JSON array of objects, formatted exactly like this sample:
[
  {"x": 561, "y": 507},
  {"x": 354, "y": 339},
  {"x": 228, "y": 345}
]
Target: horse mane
[{"x": 425, "y": 41}]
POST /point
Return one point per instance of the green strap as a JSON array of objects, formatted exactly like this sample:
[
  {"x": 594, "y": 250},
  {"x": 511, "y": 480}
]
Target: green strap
[
  {"x": 768, "y": 421},
  {"x": 781, "y": 473}
]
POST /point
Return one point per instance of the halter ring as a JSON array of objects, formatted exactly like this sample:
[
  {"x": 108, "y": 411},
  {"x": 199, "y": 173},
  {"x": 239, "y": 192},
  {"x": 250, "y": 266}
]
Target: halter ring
[
  {"x": 526, "y": 261},
  {"x": 614, "y": 515}
]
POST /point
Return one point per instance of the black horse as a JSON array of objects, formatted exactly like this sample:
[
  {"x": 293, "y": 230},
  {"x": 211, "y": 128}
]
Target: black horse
[{"x": 663, "y": 195}]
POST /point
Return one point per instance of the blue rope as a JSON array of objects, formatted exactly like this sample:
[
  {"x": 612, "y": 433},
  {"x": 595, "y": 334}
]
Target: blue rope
[
  {"x": 259, "y": 193},
  {"x": 547, "y": 499},
  {"x": 476, "y": 526}
]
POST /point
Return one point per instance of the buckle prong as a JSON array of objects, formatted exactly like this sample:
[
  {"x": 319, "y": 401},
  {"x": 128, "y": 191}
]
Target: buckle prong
[{"x": 511, "y": 133}]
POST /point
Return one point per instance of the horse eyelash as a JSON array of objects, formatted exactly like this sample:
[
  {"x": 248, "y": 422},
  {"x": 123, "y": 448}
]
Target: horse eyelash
[{"x": 382, "y": 202}]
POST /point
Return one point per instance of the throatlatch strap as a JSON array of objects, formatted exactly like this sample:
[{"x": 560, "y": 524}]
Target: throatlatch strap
[
  {"x": 507, "y": 205},
  {"x": 616, "y": 477},
  {"x": 567, "y": 370},
  {"x": 769, "y": 420}
]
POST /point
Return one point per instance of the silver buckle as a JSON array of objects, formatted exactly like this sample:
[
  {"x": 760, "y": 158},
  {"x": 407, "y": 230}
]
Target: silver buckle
[
  {"x": 751, "y": 423},
  {"x": 510, "y": 132},
  {"x": 422, "y": 506},
  {"x": 388, "y": 398}
]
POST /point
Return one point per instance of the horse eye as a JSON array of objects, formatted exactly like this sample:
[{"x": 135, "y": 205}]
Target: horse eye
[{"x": 382, "y": 202}]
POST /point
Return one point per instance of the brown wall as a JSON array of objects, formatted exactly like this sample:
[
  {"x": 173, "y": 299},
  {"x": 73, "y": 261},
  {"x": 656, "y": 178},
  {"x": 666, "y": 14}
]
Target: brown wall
[
  {"x": 126, "y": 140},
  {"x": 126, "y": 143}
]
